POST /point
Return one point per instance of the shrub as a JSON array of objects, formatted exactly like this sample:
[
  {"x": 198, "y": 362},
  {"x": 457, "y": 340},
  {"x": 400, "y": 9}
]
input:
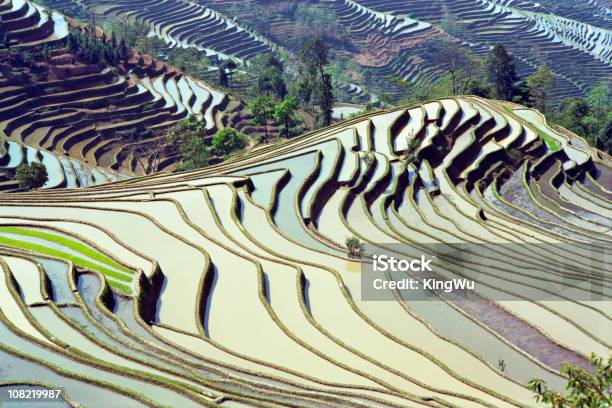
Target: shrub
[
  {"x": 368, "y": 158},
  {"x": 355, "y": 247},
  {"x": 31, "y": 176},
  {"x": 412, "y": 144},
  {"x": 584, "y": 390},
  {"x": 228, "y": 140}
]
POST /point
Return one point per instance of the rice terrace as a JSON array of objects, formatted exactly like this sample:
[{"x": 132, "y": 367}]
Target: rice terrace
[{"x": 317, "y": 203}]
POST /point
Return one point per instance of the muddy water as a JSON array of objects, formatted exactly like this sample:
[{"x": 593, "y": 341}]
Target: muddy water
[
  {"x": 35, "y": 372},
  {"x": 264, "y": 184},
  {"x": 57, "y": 272},
  {"x": 27, "y": 275},
  {"x": 17, "y": 369}
]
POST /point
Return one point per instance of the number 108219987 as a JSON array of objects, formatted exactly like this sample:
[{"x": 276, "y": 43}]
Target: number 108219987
[{"x": 30, "y": 394}]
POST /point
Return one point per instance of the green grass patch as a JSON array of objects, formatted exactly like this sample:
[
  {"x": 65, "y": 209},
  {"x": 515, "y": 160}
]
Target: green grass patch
[
  {"x": 68, "y": 243},
  {"x": 120, "y": 286},
  {"x": 117, "y": 277},
  {"x": 550, "y": 142}
]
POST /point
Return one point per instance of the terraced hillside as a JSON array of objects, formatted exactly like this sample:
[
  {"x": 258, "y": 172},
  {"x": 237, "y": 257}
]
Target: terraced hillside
[
  {"x": 61, "y": 171},
  {"x": 95, "y": 112},
  {"x": 573, "y": 38},
  {"x": 231, "y": 285},
  {"x": 387, "y": 37},
  {"x": 188, "y": 24}
]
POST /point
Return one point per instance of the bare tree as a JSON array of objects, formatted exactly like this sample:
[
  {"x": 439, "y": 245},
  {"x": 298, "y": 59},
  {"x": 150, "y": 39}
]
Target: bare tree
[
  {"x": 462, "y": 66},
  {"x": 149, "y": 153}
]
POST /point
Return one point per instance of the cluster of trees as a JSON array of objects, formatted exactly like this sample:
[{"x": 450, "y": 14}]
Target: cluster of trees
[
  {"x": 136, "y": 35},
  {"x": 226, "y": 70},
  {"x": 266, "y": 109},
  {"x": 590, "y": 117},
  {"x": 268, "y": 76},
  {"x": 272, "y": 102},
  {"x": 312, "y": 89},
  {"x": 355, "y": 247},
  {"x": 466, "y": 73},
  {"x": 275, "y": 102},
  {"x": 188, "y": 136},
  {"x": 86, "y": 45},
  {"x": 188, "y": 61}
]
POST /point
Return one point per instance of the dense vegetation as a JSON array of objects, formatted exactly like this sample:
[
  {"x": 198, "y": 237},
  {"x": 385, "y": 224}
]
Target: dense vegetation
[{"x": 590, "y": 117}]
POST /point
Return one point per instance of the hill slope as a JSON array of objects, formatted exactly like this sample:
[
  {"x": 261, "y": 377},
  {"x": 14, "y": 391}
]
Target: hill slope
[
  {"x": 96, "y": 108},
  {"x": 232, "y": 283}
]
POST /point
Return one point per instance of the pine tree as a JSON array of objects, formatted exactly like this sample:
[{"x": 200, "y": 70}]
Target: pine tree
[
  {"x": 314, "y": 59},
  {"x": 502, "y": 72}
]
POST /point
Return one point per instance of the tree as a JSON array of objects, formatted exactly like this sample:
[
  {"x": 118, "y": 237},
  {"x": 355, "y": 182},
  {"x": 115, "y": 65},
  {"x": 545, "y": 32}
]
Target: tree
[
  {"x": 461, "y": 65},
  {"x": 605, "y": 135},
  {"x": 598, "y": 97},
  {"x": 589, "y": 117},
  {"x": 31, "y": 176},
  {"x": 147, "y": 148},
  {"x": 540, "y": 85},
  {"x": 194, "y": 153},
  {"x": 599, "y": 120},
  {"x": 3, "y": 34},
  {"x": 355, "y": 247},
  {"x": 113, "y": 40},
  {"x": 571, "y": 112},
  {"x": 449, "y": 24},
  {"x": 188, "y": 137},
  {"x": 314, "y": 59},
  {"x": 302, "y": 91},
  {"x": 122, "y": 50},
  {"x": 223, "y": 78},
  {"x": 501, "y": 72},
  {"x": 476, "y": 87},
  {"x": 226, "y": 72},
  {"x": 386, "y": 99},
  {"x": 521, "y": 93},
  {"x": 267, "y": 71},
  {"x": 324, "y": 94},
  {"x": 584, "y": 390},
  {"x": 284, "y": 113},
  {"x": 262, "y": 108},
  {"x": 228, "y": 140}
]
